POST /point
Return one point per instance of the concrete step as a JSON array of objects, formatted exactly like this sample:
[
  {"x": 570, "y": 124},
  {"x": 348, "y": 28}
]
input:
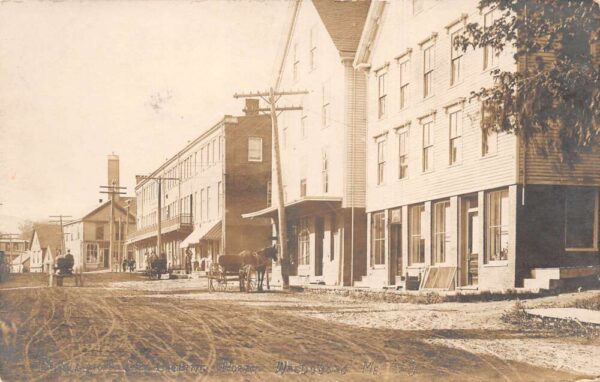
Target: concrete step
[
  {"x": 545, "y": 273},
  {"x": 541, "y": 283}
]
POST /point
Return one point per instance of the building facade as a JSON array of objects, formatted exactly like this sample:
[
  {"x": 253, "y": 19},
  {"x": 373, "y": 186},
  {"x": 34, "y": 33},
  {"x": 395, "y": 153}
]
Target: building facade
[
  {"x": 323, "y": 146},
  {"x": 13, "y": 248},
  {"x": 89, "y": 238},
  {"x": 222, "y": 174},
  {"x": 448, "y": 204}
]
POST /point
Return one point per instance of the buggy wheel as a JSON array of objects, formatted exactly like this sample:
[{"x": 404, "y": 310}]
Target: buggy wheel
[{"x": 222, "y": 283}]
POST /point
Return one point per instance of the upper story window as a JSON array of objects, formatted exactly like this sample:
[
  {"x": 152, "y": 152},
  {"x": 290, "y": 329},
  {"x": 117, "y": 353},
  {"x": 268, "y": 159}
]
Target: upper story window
[
  {"x": 428, "y": 67},
  {"x": 325, "y": 171},
  {"x": 581, "y": 219},
  {"x": 404, "y": 82},
  {"x": 303, "y": 187},
  {"x": 381, "y": 92},
  {"x": 220, "y": 196},
  {"x": 489, "y": 137},
  {"x": 313, "y": 48},
  {"x": 254, "y": 149},
  {"x": 403, "y": 153},
  {"x": 99, "y": 232},
  {"x": 325, "y": 109},
  {"x": 455, "y": 122},
  {"x": 456, "y": 60},
  {"x": 490, "y": 56},
  {"x": 296, "y": 64},
  {"x": 380, "y": 161},
  {"x": 427, "y": 146}
]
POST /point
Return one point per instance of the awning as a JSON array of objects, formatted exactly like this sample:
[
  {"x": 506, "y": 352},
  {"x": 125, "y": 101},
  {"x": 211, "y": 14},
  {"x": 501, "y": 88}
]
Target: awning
[
  {"x": 306, "y": 203},
  {"x": 206, "y": 231}
]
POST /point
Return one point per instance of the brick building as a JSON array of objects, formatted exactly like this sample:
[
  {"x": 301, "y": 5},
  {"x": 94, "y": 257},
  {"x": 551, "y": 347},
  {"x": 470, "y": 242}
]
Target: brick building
[{"x": 222, "y": 174}]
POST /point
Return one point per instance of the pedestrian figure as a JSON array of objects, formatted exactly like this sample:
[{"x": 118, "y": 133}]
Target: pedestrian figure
[
  {"x": 131, "y": 265},
  {"x": 188, "y": 261},
  {"x": 125, "y": 265}
]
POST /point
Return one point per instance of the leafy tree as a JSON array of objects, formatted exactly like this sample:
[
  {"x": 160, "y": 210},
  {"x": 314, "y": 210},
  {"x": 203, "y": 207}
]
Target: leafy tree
[{"x": 553, "y": 98}]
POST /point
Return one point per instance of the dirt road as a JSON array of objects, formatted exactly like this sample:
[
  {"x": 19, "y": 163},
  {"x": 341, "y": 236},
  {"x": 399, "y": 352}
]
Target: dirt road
[{"x": 122, "y": 334}]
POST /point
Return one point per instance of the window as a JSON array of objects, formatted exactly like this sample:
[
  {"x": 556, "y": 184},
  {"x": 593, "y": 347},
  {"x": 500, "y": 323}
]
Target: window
[
  {"x": 378, "y": 238},
  {"x": 303, "y": 127},
  {"x": 221, "y": 147},
  {"x": 313, "y": 48},
  {"x": 269, "y": 193},
  {"x": 456, "y": 54},
  {"x": 581, "y": 219},
  {"x": 380, "y": 161},
  {"x": 325, "y": 109},
  {"x": 254, "y": 149},
  {"x": 201, "y": 204},
  {"x": 428, "y": 146},
  {"x": 455, "y": 122},
  {"x": 325, "y": 171},
  {"x": 296, "y": 62},
  {"x": 207, "y": 203},
  {"x": 441, "y": 238},
  {"x": 489, "y": 137},
  {"x": 213, "y": 150},
  {"x": 381, "y": 94},
  {"x": 220, "y": 196},
  {"x": 428, "y": 61},
  {"x": 99, "y": 232},
  {"x": 303, "y": 242},
  {"x": 490, "y": 56},
  {"x": 497, "y": 226},
  {"x": 417, "y": 241},
  {"x": 91, "y": 253},
  {"x": 404, "y": 80},
  {"x": 403, "y": 153},
  {"x": 302, "y": 187}
]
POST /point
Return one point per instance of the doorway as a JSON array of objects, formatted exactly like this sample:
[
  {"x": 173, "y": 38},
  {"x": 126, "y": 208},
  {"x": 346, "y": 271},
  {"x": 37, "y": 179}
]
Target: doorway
[
  {"x": 470, "y": 239},
  {"x": 319, "y": 236}
]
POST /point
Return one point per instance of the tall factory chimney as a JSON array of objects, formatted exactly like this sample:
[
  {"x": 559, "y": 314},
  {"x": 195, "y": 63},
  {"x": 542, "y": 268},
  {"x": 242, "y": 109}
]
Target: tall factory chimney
[{"x": 113, "y": 173}]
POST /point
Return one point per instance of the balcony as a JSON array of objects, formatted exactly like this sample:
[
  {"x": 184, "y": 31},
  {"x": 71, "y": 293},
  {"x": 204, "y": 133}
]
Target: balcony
[{"x": 182, "y": 223}]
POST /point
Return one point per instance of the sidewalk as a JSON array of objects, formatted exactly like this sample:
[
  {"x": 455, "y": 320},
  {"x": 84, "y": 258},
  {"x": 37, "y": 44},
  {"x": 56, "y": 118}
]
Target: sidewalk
[{"x": 582, "y": 315}]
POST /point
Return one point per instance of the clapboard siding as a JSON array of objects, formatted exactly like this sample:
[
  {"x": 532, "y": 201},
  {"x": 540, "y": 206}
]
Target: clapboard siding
[
  {"x": 355, "y": 148},
  {"x": 400, "y": 31}
]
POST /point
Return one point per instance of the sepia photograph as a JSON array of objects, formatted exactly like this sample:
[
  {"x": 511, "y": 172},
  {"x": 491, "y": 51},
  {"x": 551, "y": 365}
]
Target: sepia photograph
[{"x": 300, "y": 190}]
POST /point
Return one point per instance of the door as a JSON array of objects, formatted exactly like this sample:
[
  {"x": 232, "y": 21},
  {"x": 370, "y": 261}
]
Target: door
[
  {"x": 319, "y": 236},
  {"x": 469, "y": 242},
  {"x": 395, "y": 252}
]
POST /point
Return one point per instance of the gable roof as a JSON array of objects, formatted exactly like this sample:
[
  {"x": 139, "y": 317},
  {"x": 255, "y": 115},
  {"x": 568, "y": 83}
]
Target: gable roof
[
  {"x": 48, "y": 235},
  {"x": 344, "y": 20},
  {"x": 120, "y": 205},
  {"x": 369, "y": 34}
]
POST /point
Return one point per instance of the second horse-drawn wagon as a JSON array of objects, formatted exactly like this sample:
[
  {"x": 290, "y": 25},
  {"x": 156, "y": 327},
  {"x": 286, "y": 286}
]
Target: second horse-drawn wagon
[{"x": 247, "y": 268}]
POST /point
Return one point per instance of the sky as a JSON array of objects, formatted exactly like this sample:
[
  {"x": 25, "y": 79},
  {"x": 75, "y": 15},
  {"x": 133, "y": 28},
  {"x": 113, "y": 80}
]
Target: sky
[{"x": 81, "y": 80}]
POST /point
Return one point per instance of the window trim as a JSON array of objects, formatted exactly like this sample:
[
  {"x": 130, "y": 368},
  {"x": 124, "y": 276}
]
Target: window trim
[
  {"x": 458, "y": 58},
  {"x": 403, "y": 131},
  {"x": 381, "y": 143},
  {"x": 494, "y": 56},
  {"x": 411, "y": 235},
  {"x": 430, "y": 146},
  {"x": 595, "y": 228},
  {"x": 428, "y": 71},
  {"x": 381, "y": 94},
  {"x": 486, "y": 249},
  {"x": 434, "y": 233},
  {"x": 404, "y": 87},
  {"x": 252, "y": 159},
  {"x": 459, "y": 136},
  {"x": 380, "y": 239}
]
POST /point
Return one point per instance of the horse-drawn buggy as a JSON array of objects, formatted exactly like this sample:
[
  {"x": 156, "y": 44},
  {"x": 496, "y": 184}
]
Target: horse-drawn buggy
[
  {"x": 156, "y": 267},
  {"x": 64, "y": 268},
  {"x": 248, "y": 268}
]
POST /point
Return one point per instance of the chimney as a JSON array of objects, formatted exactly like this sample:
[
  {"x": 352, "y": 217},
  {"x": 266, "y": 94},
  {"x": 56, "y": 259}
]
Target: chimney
[
  {"x": 113, "y": 173},
  {"x": 251, "y": 106}
]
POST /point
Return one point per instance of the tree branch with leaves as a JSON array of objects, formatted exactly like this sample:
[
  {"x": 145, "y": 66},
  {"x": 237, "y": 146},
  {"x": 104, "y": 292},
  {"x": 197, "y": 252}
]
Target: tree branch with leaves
[{"x": 552, "y": 99}]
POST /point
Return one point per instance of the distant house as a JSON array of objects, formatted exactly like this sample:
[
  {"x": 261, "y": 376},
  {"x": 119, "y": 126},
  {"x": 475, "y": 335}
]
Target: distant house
[
  {"x": 13, "y": 247},
  {"x": 44, "y": 245},
  {"x": 20, "y": 264}
]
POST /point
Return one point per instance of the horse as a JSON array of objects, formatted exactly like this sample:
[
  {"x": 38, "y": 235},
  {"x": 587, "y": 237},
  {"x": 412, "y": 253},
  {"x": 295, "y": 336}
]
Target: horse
[{"x": 260, "y": 261}]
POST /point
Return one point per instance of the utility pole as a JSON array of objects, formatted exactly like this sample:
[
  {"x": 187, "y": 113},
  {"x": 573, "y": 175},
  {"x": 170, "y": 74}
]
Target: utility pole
[
  {"x": 126, "y": 228},
  {"x": 159, "y": 180},
  {"x": 112, "y": 190},
  {"x": 62, "y": 230},
  {"x": 273, "y": 97}
]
